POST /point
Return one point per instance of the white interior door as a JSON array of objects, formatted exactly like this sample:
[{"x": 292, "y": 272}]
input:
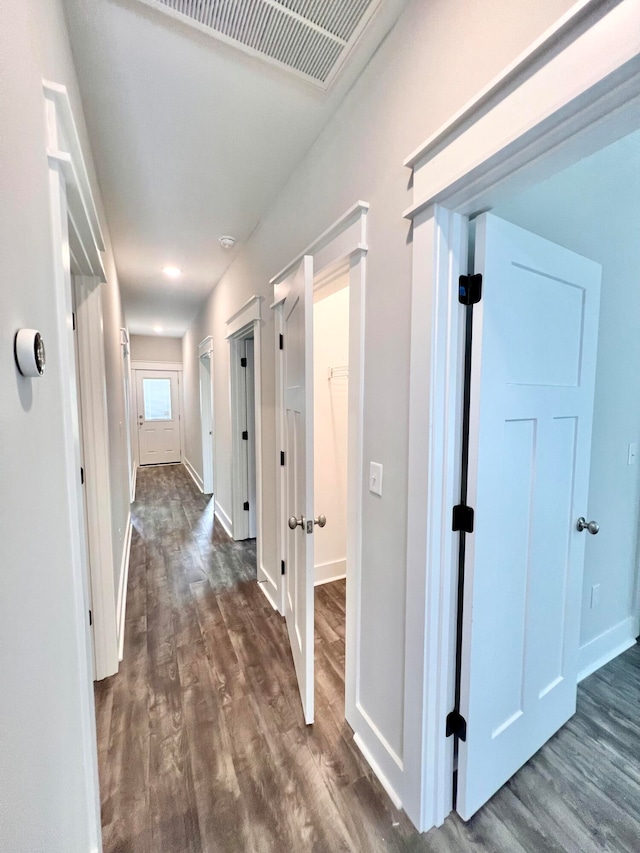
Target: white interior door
[
  {"x": 533, "y": 372},
  {"x": 250, "y": 408},
  {"x": 206, "y": 421},
  {"x": 158, "y": 416},
  {"x": 298, "y": 412}
]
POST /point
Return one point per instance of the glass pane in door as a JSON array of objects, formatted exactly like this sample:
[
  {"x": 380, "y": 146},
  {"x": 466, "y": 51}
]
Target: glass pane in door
[{"x": 157, "y": 399}]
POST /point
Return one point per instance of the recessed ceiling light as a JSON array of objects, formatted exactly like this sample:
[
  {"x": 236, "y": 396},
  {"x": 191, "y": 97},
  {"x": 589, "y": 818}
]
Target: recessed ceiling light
[
  {"x": 157, "y": 329},
  {"x": 227, "y": 241},
  {"x": 172, "y": 272}
]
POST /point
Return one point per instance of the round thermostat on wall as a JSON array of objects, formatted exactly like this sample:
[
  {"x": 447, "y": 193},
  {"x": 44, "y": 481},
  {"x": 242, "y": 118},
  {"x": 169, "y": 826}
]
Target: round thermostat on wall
[{"x": 30, "y": 355}]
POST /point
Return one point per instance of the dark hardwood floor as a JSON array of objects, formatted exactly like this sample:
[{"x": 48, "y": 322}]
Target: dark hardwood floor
[{"x": 201, "y": 741}]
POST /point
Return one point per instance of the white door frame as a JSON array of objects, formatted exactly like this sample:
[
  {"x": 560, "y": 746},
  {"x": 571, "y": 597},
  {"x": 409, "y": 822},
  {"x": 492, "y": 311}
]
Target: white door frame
[
  {"x": 343, "y": 244},
  {"x": 207, "y": 418},
  {"x": 161, "y": 367},
  {"x": 574, "y": 91},
  {"x": 76, "y": 246},
  {"x": 246, "y": 323}
]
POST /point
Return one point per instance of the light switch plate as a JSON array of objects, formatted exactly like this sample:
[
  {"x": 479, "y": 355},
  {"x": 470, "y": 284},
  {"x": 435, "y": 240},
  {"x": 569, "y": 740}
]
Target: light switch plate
[
  {"x": 375, "y": 478},
  {"x": 632, "y": 458}
]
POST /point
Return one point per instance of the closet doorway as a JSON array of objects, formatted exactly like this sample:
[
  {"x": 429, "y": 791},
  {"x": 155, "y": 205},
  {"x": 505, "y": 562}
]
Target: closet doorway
[{"x": 330, "y": 467}]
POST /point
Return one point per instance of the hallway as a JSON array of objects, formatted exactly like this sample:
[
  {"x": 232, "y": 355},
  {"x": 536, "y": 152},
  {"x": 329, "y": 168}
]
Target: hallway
[
  {"x": 202, "y": 745},
  {"x": 201, "y": 741}
]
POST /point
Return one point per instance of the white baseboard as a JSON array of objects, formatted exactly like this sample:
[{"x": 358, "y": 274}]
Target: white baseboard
[
  {"x": 364, "y": 749},
  {"x": 197, "y": 479},
  {"x": 267, "y": 588},
  {"x": 134, "y": 483},
  {"x": 379, "y": 754},
  {"x": 122, "y": 587},
  {"x": 224, "y": 520},
  {"x": 328, "y": 572},
  {"x": 607, "y": 646}
]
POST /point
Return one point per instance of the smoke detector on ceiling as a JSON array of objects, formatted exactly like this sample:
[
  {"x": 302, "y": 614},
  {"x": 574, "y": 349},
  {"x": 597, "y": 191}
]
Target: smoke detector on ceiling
[{"x": 226, "y": 241}]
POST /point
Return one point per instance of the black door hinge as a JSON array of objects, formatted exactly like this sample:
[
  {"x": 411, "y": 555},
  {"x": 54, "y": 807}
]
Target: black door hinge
[
  {"x": 463, "y": 518},
  {"x": 282, "y": 457},
  {"x": 82, "y": 476},
  {"x": 243, "y": 362},
  {"x": 246, "y": 505},
  {"x": 456, "y": 725},
  {"x": 282, "y": 567},
  {"x": 90, "y": 618},
  {"x": 281, "y": 341},
  {"x": 245, "y": 435},
  {"x": 470, "y": 289},
  {"x": 73, "y": 320}
]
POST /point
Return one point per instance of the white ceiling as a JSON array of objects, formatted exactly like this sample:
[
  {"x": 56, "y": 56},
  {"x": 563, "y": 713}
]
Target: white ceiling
[{"x": 192, "y": 139}]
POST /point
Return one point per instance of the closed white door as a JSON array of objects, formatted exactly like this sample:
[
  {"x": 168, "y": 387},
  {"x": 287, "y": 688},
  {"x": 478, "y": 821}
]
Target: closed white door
[
  {"x": 157, "y": 395},
  {"x": 250, "y": 412},
  {"x": 534, "y": 358},
  {"x": 206, "y": 421},
  {"x": 298, "y": 411}
]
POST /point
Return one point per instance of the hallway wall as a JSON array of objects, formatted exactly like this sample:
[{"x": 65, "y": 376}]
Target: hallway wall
[
  {"x": 155, "y": 348},
  {"x": 413, "y": 84},
  {"x": 43, "y": 798}
]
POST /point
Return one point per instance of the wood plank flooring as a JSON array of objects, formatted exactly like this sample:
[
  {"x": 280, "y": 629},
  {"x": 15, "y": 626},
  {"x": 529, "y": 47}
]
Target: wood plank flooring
[{"x": 201, "y": 741}]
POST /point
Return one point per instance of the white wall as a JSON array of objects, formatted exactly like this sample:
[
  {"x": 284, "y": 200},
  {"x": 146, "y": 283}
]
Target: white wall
[
  {"x": 155, "y": 348},
  {"x": 43, "y": 799},
  {"x": 414, "y": 83},
  {"x": 593, "y": 208},
  {"x": 330, "y": 349}
]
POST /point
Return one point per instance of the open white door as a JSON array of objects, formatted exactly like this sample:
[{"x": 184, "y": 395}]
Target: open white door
[
  {"x": 298, "y": 412},
  {"x": 532, "y": 389}
]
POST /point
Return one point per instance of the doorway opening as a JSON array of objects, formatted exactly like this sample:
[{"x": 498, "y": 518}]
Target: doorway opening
[
  {"x": 333, "y": 265},
  {"x": 330, "y": 464},
  {"x": 550, "y": 521}
]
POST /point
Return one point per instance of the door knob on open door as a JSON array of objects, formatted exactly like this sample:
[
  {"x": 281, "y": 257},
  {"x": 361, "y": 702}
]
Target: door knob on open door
[
  {"x": 591, "y": 526},
  {"x": 321, "y": 520},
  {"x": 296, "y": 522}
]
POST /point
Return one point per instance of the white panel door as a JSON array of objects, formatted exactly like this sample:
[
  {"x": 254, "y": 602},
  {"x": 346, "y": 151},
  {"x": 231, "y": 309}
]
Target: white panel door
[
  {"x": 533, "y": 372},
  {"x": 158, "y": 416},
  {"x": 250, "y": 396},
  {"x": 298, "y": 411}
]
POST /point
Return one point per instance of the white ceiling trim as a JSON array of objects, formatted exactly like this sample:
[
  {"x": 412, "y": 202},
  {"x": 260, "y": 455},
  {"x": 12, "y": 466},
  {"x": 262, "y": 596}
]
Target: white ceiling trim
[{"x": 560, "y": 28}]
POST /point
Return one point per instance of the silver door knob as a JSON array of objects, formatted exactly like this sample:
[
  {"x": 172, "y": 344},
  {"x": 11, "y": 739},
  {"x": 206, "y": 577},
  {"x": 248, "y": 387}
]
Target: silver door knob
[
  {"x": 296, "y": 522},
  {"x": 321, "y": 520},
  {"x": 591, "y": 526}
]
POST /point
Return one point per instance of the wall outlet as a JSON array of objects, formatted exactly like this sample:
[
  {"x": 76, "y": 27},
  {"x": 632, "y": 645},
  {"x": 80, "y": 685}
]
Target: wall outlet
[
  {"x": 595, "y": 596},
  {"x": 375, "y": 478},
  {"x": 632, "y": 458}
]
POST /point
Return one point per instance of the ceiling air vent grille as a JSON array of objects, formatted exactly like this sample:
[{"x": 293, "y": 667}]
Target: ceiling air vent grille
[{"x": 310, "y": 37}]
